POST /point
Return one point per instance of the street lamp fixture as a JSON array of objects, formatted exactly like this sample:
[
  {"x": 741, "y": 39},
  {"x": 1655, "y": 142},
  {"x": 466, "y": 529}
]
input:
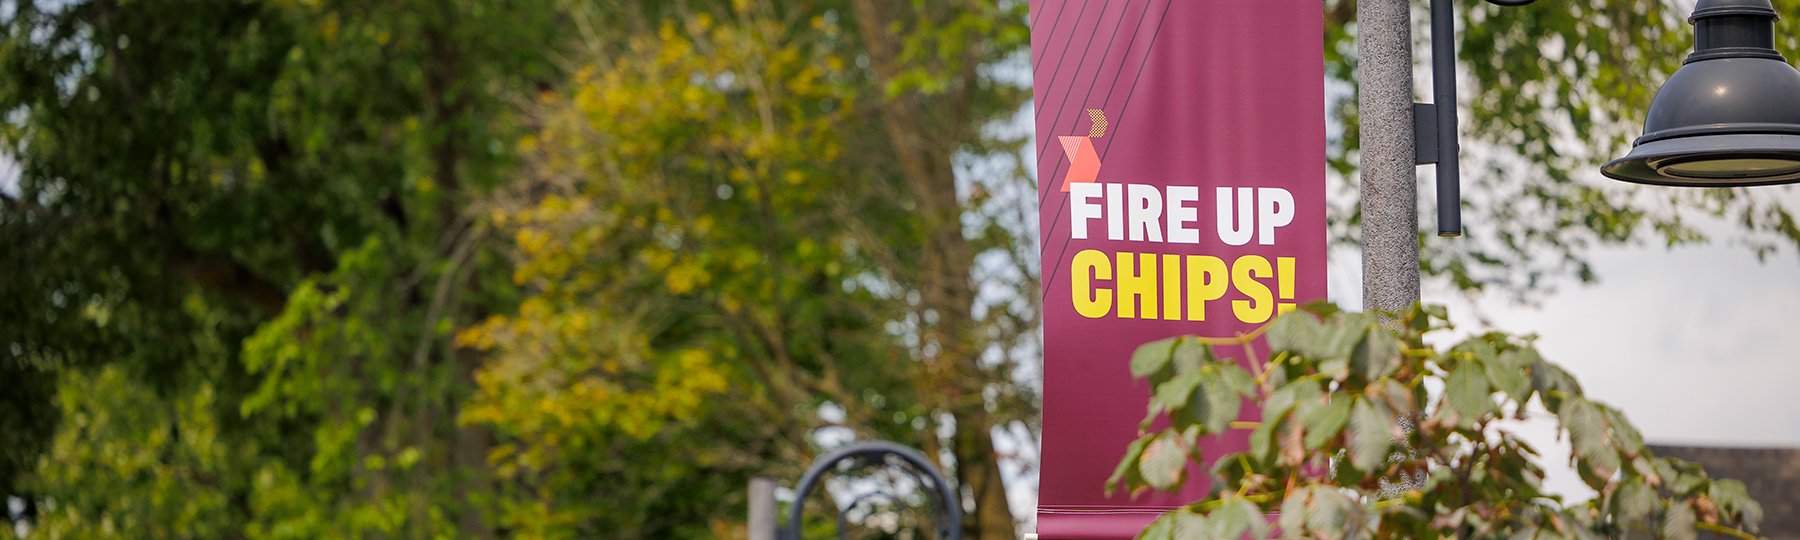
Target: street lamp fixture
[
  {"x": 1434, "y": 124},
  {"x": 1730, "y": 116}
]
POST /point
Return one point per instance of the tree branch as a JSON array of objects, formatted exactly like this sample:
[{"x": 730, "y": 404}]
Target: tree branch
[{"x": 223, "y": 274}]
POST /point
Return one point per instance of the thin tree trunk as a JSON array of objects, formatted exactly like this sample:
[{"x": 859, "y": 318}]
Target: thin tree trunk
[
  {"x": 946, "y": 290},
  {"x": 473, "y": 444},
  {"x": 979, "y": 469}
]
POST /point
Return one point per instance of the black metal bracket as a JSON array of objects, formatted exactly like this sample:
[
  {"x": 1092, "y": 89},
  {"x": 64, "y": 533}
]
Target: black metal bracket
[
  {"x": 1425, "y": 134},
  {"x": 1434, "y": 124}
]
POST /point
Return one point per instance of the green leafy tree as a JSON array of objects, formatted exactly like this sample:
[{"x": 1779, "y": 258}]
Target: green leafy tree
[
  {"x": 731, "y": 236},
  {"x": 237, "y": 247},
  {"x": 684, "y": 317},
  {"x": 1334, "y": 392},
  {"x": 286, "y": 206}
]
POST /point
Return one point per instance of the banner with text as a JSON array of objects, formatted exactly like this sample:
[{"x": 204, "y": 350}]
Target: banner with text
[{"x": 1181, "y": 172}]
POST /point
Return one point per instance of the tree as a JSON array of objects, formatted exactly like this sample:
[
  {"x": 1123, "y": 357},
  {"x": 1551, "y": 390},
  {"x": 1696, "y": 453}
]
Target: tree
[
  {"x": 1333, "y": 392},
  {"x": 276, "y": 206},
  {"x": 740, "y": 225},
  {"x": 241, "y": 248},
  {"x": 685, "y": 317}
]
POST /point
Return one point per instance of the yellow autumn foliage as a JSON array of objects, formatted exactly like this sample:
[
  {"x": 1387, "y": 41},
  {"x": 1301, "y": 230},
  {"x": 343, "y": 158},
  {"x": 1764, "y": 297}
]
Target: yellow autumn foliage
[{"x": 632, "y": 241}]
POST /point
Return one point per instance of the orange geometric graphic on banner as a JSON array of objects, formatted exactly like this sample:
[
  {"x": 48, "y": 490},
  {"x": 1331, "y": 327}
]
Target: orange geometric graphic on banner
[{"x": 1084, "y": 162}]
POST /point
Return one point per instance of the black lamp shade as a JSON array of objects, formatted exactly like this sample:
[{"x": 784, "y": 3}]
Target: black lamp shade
[{"x": 1730, "y": 116}]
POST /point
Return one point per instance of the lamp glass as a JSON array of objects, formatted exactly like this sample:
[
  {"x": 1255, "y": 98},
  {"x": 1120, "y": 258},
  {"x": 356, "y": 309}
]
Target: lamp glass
[{"x": 1726, "y": 167}]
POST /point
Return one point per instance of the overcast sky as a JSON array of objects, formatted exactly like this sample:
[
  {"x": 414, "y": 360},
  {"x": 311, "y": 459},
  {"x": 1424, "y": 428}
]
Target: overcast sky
[{"x": 1697, "y": 346}]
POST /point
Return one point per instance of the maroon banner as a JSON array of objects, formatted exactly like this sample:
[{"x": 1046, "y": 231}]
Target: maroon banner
[{"x": 1181, "y": 171}]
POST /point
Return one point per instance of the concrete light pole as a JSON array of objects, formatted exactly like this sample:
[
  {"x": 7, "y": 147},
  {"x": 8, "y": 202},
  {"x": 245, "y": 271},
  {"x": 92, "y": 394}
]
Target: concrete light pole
[
  {"x": 1398, "y": 135},
  {"x": 1389, "y": 188}
]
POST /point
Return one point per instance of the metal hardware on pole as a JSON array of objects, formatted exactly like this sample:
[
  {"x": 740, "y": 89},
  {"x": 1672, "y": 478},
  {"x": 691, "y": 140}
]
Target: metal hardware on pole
[
  {"x": 1443, "y": 95},
  {"x": 1434, "y": 124}
]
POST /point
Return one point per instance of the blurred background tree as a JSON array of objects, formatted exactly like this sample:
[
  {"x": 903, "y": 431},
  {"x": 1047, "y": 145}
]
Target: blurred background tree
[
  {"x": 738, "y": 225},
  {"x": 237, "y": 249},
  {"x": 471, "y": 267}
]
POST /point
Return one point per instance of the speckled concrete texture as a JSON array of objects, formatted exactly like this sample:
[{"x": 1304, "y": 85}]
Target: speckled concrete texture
[{"x": 1389, "y": 190}]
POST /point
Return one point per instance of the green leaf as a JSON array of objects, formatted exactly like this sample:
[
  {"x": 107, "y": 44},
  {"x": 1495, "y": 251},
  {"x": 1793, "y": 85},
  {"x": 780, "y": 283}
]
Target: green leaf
[
  {"x": 1262, "y": 439},
  {"x": 1376, "y": 355},
  {"x": 1732, "y": 496},
  {"x": 1302, "y": 398},
  {"x": 1371, "y": 436},
  {"x": 1678, "y": 522},
  {"x": 1726, "y": 491},
  {"x": 1420, "y": 318},
  {"x": 1587, "y": 429},
  {"x": 1468, "y": 392},
  {"x": 1480, "y": 348},
  {"x": 1208, "y": 397},
  {"x": 1161, "y": 529},
  {"x": 1296, "y": 332},
  {"x": 1237, "y": 516},
  {"x": 1238, "y": 379},
  {"x": 1330, "y": 511},
  {"x": 1295, "y": 396},
  {"x": 1293, "y": 512},
  {"x": 1190, "y": 355},
  {"x": 1253, "y": 514},
  {"x": 1647, "y": 468},
  {"x": 1150, "y": 358},
  {"x": 1398, "y": 398},
  {"x": 1126, "y": 473},
  {"x": 1229, "y": 472},
  {"x": 1289, "y": 441},
  {"x": 1222, "y": 404},
  {"x": 1173, "y": 395},
  {"x": 1288, "y": 397},
  {"x": 1324, "y": 423},
  {"x": 1189, "y": 524},
  {"x": 1508, "y": 374},
  {"x": 1553, "y": 383},
  {"x": 1343, "y": 332},
  {"x": 1164, "y": 462},
  {"x": 1625, "y": 437},
  {"x": 1634, "y": 501},
  {"x": 1338, "y": 369},
  {"x": 1685, "y": 477}
]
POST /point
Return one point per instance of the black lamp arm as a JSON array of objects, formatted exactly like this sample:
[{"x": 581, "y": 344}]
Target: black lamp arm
[{"x": 1434, "y": 124}]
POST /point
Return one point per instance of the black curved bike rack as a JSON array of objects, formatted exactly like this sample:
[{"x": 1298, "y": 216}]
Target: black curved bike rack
[{"x": 947, "y": 511}]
